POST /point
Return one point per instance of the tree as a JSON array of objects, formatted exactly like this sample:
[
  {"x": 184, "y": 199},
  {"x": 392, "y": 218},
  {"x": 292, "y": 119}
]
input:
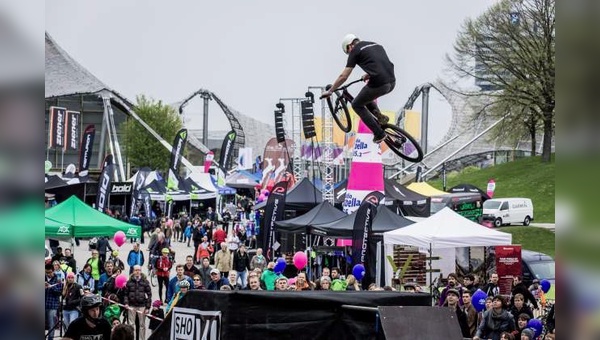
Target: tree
[
  {"x": 510, "y": 53},
  {"x": 141, "y": 147}
]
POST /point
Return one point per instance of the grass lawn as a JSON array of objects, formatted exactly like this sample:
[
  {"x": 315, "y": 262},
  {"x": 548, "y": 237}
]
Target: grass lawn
[
  {"x": 527, "y": 177},
  {"x": 532, "y": 238}
]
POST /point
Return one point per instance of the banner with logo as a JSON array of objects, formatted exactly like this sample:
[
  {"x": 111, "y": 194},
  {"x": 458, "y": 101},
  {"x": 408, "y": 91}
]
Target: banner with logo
[
  {"x": 104, "y": 183},
  {"x": 227, "y": 150},
  {"x": 56, "y": 135},
  {"x": 72, "y": 130},
  {"x": 140, "y": 179},
  {"x": 176, "y": 154},
  {"x": 145, "y": 197},
  {"x": 274, "y": 212},
  {"x": 121, "y": 188},
  {"x": 85, "y": 153},
  {"x": 362, "y": 228},
  {"x": 508, "y": 265},
  {"x": 192, "y": 323},
  {"x": 244, "y": 161}
]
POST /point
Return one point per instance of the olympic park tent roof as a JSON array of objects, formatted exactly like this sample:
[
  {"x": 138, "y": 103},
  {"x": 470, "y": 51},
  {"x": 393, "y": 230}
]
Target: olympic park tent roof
[
  {"x": 447, "y": 229},
  {"x": 385, "y": 220},
  {"x": 73, "y": 218},
  {"x": 324, "y": 212}
]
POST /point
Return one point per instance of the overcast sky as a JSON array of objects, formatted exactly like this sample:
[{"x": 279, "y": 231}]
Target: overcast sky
[{"x": 251, "y": 53}]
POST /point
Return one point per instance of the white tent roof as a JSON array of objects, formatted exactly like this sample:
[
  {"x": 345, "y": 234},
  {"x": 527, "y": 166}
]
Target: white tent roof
[
  {"x": 203, "y": 179},
  {"x": 447, "y": 229}
]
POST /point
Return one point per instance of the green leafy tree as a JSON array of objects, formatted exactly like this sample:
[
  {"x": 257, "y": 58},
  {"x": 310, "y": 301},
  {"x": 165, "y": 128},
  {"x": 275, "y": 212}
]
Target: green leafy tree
[
  {"x": 510, "y": 53},
  {"x": 141, "y": 147}
]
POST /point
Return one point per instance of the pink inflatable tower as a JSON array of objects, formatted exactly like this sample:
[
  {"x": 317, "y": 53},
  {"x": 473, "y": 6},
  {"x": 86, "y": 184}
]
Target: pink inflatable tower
[{"x": 366, "y": 169}]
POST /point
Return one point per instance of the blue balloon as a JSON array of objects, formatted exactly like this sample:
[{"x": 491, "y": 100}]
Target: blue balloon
[
  {"x": 279, "y": 266},
  {"x": 535, "y": 324},
  {"x": 358, "y": 271},
  {"x": 478, "y": 300},
  {"x": 545, "y": 284}
]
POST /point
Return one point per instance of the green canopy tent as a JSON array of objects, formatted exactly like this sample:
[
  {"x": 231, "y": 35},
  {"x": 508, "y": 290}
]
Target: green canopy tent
[{"x": 78, "y": 219}]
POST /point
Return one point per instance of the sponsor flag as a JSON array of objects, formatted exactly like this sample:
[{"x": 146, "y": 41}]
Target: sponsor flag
[
  {"x": 176, "y": 154},
  {"x": 273, "y": 212},
  {"x": 508, "y": 265},
  {"x": 227, "y": 150},
  {"x": 85, "y": 153},
  {"x": 145, "y": 196},
  {"x": 72, "y": 130},
  {"x": 104, "y": 183},
  {"x": 140, "y": 179},
  {"x": 57, "y": 127},
  {"x": 362, "y": 230},
  {"x": 244, "y": 160}
]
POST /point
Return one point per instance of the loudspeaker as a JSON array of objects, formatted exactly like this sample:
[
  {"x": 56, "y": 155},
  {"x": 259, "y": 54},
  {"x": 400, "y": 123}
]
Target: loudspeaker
[
  {"x": 279, "y": 132},
  {"x": 308, "y": 119}
]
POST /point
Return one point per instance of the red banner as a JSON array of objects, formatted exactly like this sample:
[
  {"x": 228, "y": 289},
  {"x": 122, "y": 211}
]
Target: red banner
[{"x": 508, "y": 265}]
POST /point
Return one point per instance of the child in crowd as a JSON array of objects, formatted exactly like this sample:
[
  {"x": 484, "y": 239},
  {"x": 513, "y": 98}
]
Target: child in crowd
[{"x": 157, "y": 312}]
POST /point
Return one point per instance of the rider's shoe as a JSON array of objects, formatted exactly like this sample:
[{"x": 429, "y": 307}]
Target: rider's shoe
[
  {"x": 383, "y": 119},
  {"x": 379, "y": 139}
]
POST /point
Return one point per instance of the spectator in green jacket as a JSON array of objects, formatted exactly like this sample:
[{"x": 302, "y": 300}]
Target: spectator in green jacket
[
  {"x": 269, "y": 276},
  {"x": 337, "y": 283}
]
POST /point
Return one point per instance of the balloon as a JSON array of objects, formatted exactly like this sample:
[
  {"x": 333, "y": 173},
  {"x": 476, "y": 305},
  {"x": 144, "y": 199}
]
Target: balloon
[
  {"x": 535, "y": 324},
  {"x": 300, "y": 260},
  {"x": 119, "y": 238},
  {"x": 279, "y": 266},
  {"x": 170, "y": 223},
  {"x": 267, "y": 193},
  {"x": 358, "y": 271},
  {"x": 545, "y": 284},
  {"x": 121, "y": 280},
  {"x": 478, "y": 300},
  {"x": 264, "y": 191},
  {"x": 262, "y": 197}
]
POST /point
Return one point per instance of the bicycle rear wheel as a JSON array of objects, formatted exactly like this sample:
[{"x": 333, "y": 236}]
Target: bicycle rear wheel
[
  {"x": 340, "y": 113},
  {"x": 402, "y": 143},
  {"x": 153, "y": 278}
]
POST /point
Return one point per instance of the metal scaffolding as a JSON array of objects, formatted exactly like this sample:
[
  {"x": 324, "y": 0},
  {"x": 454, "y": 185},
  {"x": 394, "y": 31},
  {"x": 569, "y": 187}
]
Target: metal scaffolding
[
  {"x": 297, "y": 164},
  {"x": 327, "y": 148}
]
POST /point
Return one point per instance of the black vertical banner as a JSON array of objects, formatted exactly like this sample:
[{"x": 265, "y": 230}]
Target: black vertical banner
[
  {"x": 176, "y": 154},
  {"x": 56, "y": 135},
  {"x": 274, "y": 212},
  {"x": 72, "y": 130},
  {"x": 227, "y": 150},
  {"x": 140, "y": 179},
  {"x": 85, "y": 151},
  {"x": 104, "y": 183},
  {"x": 145, "y": 196},
  {"x": 362, "y": 229}
]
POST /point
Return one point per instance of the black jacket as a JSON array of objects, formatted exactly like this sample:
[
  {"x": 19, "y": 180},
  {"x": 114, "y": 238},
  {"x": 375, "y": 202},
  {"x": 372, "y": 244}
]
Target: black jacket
[
  {"x": 241, "y": 262},
  {"x": 72, "y": 297},
  {"x": 103, "y": 245},
  {"x": 138, "y": 293},
  {"x": 520, "y": 288}
]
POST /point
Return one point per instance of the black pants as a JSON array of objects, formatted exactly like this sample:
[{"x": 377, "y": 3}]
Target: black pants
[
  {"x": 162, "y": 281},
  {"x": 365, "y": 107}
]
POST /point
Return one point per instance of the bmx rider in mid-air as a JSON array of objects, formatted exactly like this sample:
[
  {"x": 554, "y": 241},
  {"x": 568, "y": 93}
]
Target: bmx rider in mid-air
[{"x": 372, "y": 58}]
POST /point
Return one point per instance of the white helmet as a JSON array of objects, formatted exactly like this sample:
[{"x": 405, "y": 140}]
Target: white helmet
[{"x": 348, "y": 39}]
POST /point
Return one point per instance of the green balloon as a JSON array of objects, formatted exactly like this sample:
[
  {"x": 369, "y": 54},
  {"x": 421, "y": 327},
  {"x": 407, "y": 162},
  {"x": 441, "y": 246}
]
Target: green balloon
[{"x": 47, "y": 166}]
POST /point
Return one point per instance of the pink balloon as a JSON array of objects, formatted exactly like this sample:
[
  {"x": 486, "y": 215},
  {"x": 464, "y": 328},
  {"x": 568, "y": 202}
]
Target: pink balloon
[
  {"x": 119, "y": 238},
  {"x": 169, "y": 223},
  {"x": 300, "y": 260},
  {"x": 262, "y": 197},
  {"x": 121, "y": 280}
]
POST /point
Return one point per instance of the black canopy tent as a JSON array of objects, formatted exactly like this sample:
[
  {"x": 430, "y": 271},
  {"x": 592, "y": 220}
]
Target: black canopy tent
[
  {"x": 54, "y": 181},
  {"x": 469, "y": 188},
  {"x": 302, "y": 197},
  {"x": 407, "y": 201},
  {"x": 322, "y": 213}
]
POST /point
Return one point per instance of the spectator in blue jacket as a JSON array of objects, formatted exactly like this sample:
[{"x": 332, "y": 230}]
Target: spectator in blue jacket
[
  {"x": 135, "y": 257},
  {"x": 173, "y": 287}
]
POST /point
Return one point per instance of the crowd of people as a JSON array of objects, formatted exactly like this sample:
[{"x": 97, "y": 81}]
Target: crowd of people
[{"x": 219, "y": 260}]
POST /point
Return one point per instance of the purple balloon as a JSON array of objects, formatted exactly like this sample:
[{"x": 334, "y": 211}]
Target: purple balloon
[
  {"x": 545, "y": 284},
  {"x": 358, "y": 271},
  {"x": 279, "y": 266},
  {"x": 535, "y": 324},
  {"x": 478, "y": 300}
]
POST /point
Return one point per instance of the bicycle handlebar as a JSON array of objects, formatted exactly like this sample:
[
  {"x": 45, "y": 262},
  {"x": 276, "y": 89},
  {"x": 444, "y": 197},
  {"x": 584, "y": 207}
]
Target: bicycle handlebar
[{"x": 328, "y": 86}]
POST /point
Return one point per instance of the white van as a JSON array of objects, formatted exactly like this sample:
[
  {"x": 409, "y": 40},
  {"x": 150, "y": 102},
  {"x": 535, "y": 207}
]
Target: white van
[{"x": 508, "y": 210}]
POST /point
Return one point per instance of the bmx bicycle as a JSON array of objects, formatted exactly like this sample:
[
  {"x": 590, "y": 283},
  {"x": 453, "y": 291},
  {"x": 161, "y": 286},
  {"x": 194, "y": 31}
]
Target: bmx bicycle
[{"x": 399, "y": 141}]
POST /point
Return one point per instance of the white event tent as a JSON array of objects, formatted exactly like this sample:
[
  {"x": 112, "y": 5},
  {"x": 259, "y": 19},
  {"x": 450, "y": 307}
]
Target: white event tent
[{"x": 440, "y": 234}]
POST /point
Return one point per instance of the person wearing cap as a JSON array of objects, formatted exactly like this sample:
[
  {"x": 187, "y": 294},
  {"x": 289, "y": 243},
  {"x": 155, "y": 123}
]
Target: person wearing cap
[
  {"x": 118, "y": 263},
  {"x": 184, "y": 287},
  {"x": 452, "y": 284},
  {"x": 528, "y": 334},
  {"x": 72, "y": 293},
  {"x": 536, "y": 289},
  {"x": 410, "y": 287},
  {"x": 495, "y": 320},
  {"x": 216, "y": 281}
]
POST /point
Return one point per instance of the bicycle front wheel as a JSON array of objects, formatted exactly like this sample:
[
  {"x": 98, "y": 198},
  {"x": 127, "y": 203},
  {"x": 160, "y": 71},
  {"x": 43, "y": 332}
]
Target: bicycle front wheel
[
  {"x": 153, "y": 279},
  {"x": 340, "y": 113},
  {"x": 402, "y": 143}
]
